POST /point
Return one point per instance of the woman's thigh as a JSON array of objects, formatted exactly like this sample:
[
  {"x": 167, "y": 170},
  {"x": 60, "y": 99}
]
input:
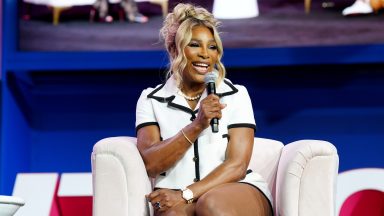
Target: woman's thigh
[{"x": 233, "y": 199}]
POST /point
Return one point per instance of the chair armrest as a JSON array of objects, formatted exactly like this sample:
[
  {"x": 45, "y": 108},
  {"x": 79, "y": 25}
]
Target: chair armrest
[
  {"x": 120, "y": 180},
  {"x": 306, "y": 179}
]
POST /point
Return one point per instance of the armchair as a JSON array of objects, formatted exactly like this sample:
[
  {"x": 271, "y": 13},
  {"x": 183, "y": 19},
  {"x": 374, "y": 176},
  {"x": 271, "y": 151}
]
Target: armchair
[{"x": 301, "y": 176}]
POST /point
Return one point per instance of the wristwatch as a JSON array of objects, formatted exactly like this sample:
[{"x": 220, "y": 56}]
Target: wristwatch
[{"x": 187, "y": 194}]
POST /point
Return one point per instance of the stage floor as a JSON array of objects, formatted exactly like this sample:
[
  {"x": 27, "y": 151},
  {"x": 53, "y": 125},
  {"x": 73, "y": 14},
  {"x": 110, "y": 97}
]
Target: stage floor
[{"x": 286, "y": 26}]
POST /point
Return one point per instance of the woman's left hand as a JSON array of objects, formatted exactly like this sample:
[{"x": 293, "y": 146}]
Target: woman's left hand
[{"x": 164, "y": 199}]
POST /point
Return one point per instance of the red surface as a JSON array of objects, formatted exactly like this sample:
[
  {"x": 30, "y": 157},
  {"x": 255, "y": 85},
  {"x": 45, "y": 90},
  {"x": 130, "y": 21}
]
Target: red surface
[
  {"x": 75, "y": 206},
  {"x": 55, "y": 206},
  {"x": 366, "y": 202}
]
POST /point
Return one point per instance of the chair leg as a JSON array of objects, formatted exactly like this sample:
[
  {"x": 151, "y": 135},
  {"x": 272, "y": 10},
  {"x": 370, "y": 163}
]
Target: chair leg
[
  {"x": 307, "y": 6},
  {"x": 56, "y": 14}
]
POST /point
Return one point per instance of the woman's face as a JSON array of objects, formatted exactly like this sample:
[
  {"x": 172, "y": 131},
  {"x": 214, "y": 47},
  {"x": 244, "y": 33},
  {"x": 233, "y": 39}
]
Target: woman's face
[{"x": 201, "y": 53}]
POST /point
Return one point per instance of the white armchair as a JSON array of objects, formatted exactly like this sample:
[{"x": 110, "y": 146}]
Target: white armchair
[{"x": 301, "y": 176}]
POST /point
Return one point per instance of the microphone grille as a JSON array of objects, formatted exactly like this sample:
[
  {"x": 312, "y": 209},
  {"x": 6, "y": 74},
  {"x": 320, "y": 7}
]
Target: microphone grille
[{"x": 210, "y": 77}]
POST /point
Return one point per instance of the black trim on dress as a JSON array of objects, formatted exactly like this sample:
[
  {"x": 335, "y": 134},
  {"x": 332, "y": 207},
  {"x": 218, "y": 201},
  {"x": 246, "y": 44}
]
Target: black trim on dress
[
  {"x": 146, "y": 124},
  {"x": 246, "y": 125},
  {"x": 226, "y": 136},
  {"x": 160, "y": 99},
  {"x": 183, "y": 108},
  {"x": 234, "y": 89},
  {"x": 197, "y": 160},
  {"x": 169, "y": 100}
]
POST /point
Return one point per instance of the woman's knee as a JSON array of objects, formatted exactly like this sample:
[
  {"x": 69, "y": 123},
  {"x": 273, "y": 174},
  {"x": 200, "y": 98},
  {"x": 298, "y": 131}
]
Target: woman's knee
[
  {"x": 210, "y": 204},
  {"x": 229, "y": 200},
  {"x": 173, "y": 212}
]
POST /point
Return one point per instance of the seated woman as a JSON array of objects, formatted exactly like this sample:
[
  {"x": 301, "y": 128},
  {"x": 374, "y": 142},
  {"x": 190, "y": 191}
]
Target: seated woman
[
  {"x": 130, "y": 9},
  {"x": 197, "y": 171}
]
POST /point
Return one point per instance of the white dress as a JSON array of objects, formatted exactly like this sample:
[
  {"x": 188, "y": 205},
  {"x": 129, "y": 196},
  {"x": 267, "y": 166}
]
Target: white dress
[{"x": 162, "y": 106}]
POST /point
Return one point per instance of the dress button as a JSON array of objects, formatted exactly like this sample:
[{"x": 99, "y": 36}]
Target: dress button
[
  {"x": 195, "y": 180},
  {"x": 194, "y": 159}
]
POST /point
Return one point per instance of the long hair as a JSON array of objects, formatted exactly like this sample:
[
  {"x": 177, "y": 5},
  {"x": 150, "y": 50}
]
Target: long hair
[{"x": 177, "y": 33}]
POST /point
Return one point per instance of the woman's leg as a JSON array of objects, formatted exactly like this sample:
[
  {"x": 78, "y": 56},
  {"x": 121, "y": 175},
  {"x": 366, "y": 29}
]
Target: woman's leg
[
  {"x": 234, "y": 199},
  {"x": 102, "y": 7},
  {"x": 132, "y": 12}
]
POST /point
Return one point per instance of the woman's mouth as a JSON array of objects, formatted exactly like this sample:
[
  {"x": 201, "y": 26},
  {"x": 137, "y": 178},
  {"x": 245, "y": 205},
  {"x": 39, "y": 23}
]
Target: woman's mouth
[{"x": 201, "y": 67}]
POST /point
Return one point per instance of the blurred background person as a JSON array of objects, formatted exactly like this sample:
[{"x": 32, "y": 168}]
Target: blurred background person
[{"x": 131, "y": 12}]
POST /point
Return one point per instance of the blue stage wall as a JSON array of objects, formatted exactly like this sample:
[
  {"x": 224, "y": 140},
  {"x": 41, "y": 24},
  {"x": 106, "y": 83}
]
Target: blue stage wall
[
  {"x": 52, "y": 119},
  {"x": 55, "y": 106}
]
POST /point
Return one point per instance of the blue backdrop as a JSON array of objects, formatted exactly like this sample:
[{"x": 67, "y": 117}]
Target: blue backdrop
[{"x": 55, "y": 106}]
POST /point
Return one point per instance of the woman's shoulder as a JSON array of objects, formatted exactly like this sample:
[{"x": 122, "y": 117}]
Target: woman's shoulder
[
  {"x": 149, "y": 90},
  {"x": 230, "y": 88}
]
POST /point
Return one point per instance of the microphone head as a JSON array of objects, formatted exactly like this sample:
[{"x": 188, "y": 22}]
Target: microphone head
[{"x": 210, "y": 77}]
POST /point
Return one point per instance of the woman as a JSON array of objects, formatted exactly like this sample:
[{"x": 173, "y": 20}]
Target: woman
[{"x": 198, "y": 172}]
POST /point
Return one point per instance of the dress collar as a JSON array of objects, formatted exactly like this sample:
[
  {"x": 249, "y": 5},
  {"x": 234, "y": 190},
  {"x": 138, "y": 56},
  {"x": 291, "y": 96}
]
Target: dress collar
[{"x": 167, "y": 93}]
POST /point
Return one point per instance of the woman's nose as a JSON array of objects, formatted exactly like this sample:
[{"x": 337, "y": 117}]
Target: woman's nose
[{"x": 203, "y": 53}]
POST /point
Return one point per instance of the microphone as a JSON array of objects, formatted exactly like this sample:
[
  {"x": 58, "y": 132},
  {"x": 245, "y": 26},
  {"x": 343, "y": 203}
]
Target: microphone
[{"x": 210, "y": 79}]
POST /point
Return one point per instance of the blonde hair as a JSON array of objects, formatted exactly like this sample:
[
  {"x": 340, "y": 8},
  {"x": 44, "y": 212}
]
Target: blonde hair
[{"x": 177, "y": 33}]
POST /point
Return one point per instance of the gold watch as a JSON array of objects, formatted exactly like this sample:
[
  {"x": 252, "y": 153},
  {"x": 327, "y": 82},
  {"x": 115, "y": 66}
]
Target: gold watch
[{"x": 187, "y": 194}]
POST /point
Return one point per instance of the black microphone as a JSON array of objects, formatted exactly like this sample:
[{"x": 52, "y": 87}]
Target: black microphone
[{"x": 210, "y": 80}]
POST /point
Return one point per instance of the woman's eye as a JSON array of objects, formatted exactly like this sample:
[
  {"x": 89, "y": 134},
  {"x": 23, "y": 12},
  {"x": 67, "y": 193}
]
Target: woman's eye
[
  {"x": 214, "y": 47},
  {"x": 193, "y": 44}
]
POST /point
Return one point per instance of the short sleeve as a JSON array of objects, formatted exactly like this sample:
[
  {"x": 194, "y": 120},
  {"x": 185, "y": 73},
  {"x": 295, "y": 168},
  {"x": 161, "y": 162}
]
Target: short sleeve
[
  {"x": 144, "y": 111},
  {"x": 241, "y": 110}
]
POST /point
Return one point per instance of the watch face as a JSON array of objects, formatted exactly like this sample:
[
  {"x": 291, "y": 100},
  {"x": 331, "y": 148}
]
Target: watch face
[{"x": 187, "y": 194}]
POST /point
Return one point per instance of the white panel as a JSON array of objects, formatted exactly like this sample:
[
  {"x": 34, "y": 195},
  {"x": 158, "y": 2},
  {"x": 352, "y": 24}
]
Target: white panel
[
  {"x": 75, "y": 184},
  {"x": 37, "y": 190}
]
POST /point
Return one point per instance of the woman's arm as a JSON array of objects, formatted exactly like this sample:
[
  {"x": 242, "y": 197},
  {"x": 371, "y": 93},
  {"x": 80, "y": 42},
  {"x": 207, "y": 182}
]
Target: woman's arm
[
  {"x": 159, "y": 155},
  {"x": 234, "y": 168}
]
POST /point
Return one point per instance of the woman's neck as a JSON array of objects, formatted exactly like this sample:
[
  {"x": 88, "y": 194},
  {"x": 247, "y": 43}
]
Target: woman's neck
[{"x": 192, "y": 90}]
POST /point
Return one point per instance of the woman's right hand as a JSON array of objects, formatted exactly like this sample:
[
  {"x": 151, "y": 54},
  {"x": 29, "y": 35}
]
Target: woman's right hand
[
  {"x": 210, "y": 107},
  {"x": 164, "y": 199}
]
